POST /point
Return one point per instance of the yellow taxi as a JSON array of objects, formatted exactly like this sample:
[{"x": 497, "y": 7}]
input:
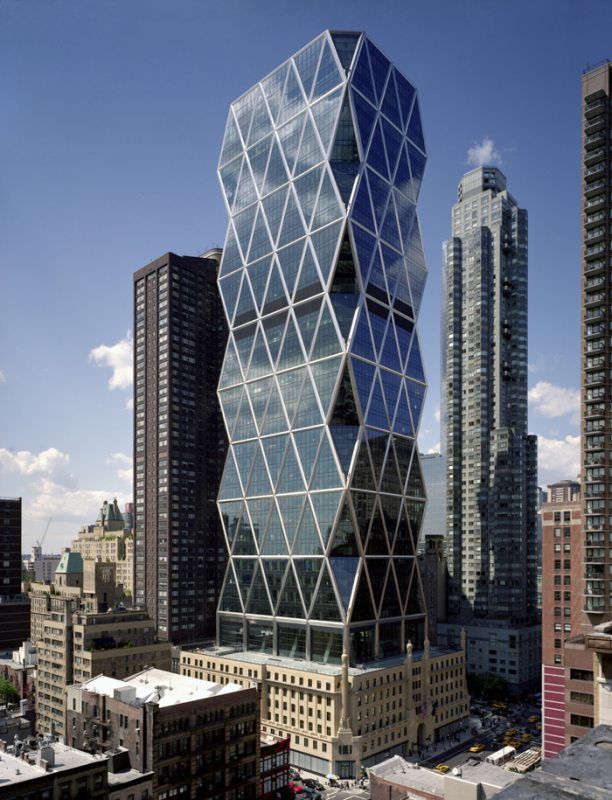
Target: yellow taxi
[
  {"x": 478, "y": 748},
  {"x": 539, "y": 726},
  {"x": 511, "y": 732},
  {"x": 526, "y": 738},
  {"x": 442, "y": 769},
  {"x": 533, "y": 719}
]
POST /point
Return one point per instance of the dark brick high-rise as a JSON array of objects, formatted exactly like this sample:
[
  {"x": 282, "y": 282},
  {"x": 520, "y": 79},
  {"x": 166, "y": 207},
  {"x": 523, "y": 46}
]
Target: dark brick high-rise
[
  {"x": 14, "y": 607},
  {"x": 179, "y": 444}
]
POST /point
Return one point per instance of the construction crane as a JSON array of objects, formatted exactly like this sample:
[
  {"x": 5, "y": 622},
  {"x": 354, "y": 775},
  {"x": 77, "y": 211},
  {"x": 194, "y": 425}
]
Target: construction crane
[{"x": 39, "y": 542}]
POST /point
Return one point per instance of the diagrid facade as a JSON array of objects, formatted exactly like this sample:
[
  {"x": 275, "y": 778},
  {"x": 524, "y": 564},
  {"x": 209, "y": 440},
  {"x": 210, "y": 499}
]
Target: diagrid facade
[{"x": 322, "y": 384}]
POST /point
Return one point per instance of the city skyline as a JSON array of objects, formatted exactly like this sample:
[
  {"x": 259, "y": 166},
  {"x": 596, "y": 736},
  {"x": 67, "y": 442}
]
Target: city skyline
[{"x": 63, "y": 465}]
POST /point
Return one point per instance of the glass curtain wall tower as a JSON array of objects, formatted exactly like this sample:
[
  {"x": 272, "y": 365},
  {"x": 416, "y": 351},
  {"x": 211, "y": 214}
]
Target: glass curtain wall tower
[{"x": 322, "y": 384}]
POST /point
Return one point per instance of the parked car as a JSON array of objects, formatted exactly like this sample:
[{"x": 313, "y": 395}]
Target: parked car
[
  {"x": 478, "y": 748},
  {"x": 441, "y": 768},
  {"x": 310, "y": 783},
  {"x": 294, "y": 774}
]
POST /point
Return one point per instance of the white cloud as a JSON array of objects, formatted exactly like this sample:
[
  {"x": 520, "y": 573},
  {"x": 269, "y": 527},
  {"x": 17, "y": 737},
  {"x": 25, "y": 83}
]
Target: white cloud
[
  {"x": 73, "y": 506},
  {"x": 437, "y": 414},
  {"x": 483, "y": 153},
  {"x": 435, "y": 449},
  {"x": 2, "y": 377},
  {"x": 118, "y": 357},
  {"x": 126, "y": 473},
  {"x": 129, "y": 403},
  {"x": 553, "y": 401},
  {"x": 51, "y": 462},
  {"x": 558, "y": 459}
]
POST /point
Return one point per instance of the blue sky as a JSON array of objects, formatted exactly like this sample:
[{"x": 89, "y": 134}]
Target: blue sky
[{"x": 113, "y": 113}]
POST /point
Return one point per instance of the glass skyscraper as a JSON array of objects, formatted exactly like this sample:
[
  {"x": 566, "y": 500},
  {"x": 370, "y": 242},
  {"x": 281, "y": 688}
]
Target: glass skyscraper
[{"x": 322, "y": 384}]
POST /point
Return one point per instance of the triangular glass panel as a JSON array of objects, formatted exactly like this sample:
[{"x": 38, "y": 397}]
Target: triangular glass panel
[
  {"x": 258, "y": 274},
  {"x": 231, "y": 141},
  {"x": 418, "y": 274},
  {"x": 309, "y": 283},
  {"x": 274, "y": 543},
  {"x": 307, "y": 570},
  {"x": 363, "y": 477},
  {"x": 344, "y": 156},
  {"x": 258, "y": 602},
  {"x": 230, "y": 485},
  {"x": 403, "y": 545},
  {"x": 245, "y": 425},
  {"x": 414, "y": 604},
  {"x": 364, "y": 246},
  {"x": 390, "y": 606},
  {"x": 244, "y": 568},
  {"x": 230, "y": 598},
  {"x": 416, "y": 395},
  {"x": 325, "y": 506},
  {"x": 325, "y": 243},
  {"x": 325, "y": 114},
  {"x": 377, "y": 570},
  {"x": 259, "y": 391},
  {"x": 290, "y": 603},
  {"x": 273, "y": 328},
  {"x": 292, "y": 227},
  {"x": 308, "y": 412},
  {"x": 259, "y": 483},
  {"x": 260, "y": 362},
  {"x": 243, "y": 223},
  {"x": 273, "y": 89},
  {"x": 328, "y": 208},
  {"x": 389, "y": 230},
  {"x": 362, "y": 340},
  {"x": 393, "y": 263},
  {"x": 328, "y": 75},
  {"x": 363, "y": 505},
  {"x": 307, "y": 315},
  {"x": 259, "y": 512},
  {"x": 366, "y": 117},
  {"x": 406, "y": 213},
  {"x": 327, "y": 341},
  {"x": 414, "y": 487},
  {"x": 310, "y": 150},
  {"x": 307, "y": 542},
  {"x": 393, "y": 145},
  {"x": 325, "y": 606},
  {"x": 416, "y": 509},
  {"x": 362, "y": 76},
  {"x": 402, "y": 180},
  {"x": 230, "y": 374},
  {"x": 390, "y": 104},
  {"x": 292, "y": 354},
  {"x": 344, "y": 571},
  {"x": 376, "y": 154},
  {"x": 345, "y": 407},
  {"x": 275, "y": 296},
  {"x": 363, "y": 608},
  {"x": 289, "y": 259},
  {"x": 245, "y": 308},
  {"x": 274, "y": 450},
  {"x": 415, "y": 131},
  {"x": 390, "y": 480},
  {"x": 291, "y": 386},
  {"x": 405, "y": 94},
  {"x": 345, "y": 44},
  {"x": 403, "y": 331},
  {"x": 274, "y": 570},
  {"x": 258, "y": 159},
  {"x": 378, "y": 448},
  {"x": 229, "y": 175},
  {"x": 362, "y": 208},
  {"x": 275, "y": 421},
  {"x": 403, "y": 451},
  {"x": 306, "y": 63},
  {"x": 293, "y": 99},
  {"x": 380, "y": 69},
  {"x": 307, "y": 445},
  {"x": 344, "y": 291},
  {"x": 290, "y": 479},
  {"x": 291, "y": 511},
  {"x": 325, "y": 374},
  {"x": 377, "y": 411},
  {"x": 261, "y": 124},
  {"x": 344, "y": 306},
  {"x": 344, "y": 437},
  {"x": 244, "y": 338},
  {"x": 378, "y": 322},
  {"x": 229, "y": 288},
  {"x": 290, "y": 135},
  {"x": 273, "y": 206},
  {"x": 379, "y": 191},
  {"x": 325, "y": 474},
  {"x": 403, "y": 420},
  {"x": 244, "y": 542},
  {"x": 243, "y": 108},
  {"x": 245, "y": 192},
  {"x": 389, "y": 355},
  {"x": 403, "y": 300},
  {"x": 403, "y": 570},
  {"x": 344, "y": 541},
  {"x": 377, "y": 544},
  {"x": 306, "y": 188},
  {"x": 276, "y": 174},
  {"x": 243, "y": 454},
  {"x": 390, "y": 507},
  {"x": 231, "y": 259},
  {"x": 417, "y": 168},
  {"x": 415, "y": 365}
]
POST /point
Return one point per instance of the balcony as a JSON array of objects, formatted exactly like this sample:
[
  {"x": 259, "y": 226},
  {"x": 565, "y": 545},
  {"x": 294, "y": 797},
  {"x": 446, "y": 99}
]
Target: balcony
[
  {"x": 594, "y": 156},
  {"x": 591, "y": 173},
  {"x": 595, "y": 108},
  {"x": 594, "y": 140},
  {"x": 591, "y": 189},
  {"x": 597, "y": 123}
]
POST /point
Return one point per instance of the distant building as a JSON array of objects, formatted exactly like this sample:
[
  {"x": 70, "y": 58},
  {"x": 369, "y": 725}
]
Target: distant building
[
  {"x": 274, "y": 759},
  {"x": 19, "y": 668},
  {"x": 80, "y": 629},
  {"x": 434, "y": 572},
  {"x": 41, "y": 566},
  {"x": 14, "y": 606},
  {"x": 562, "y": 492},
  {"x": 433, "y": 466},
  {"x": 198, "y": 738},
  {"x": 128, "y": 517},
  {"x": 108, "y": 540},
  {"x": 179, "y": 444}
]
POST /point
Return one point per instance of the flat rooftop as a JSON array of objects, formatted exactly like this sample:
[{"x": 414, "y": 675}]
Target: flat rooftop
[
  {"x": 158, "y": 686},
  {"x": 316, "y": 666},
  {"x": 14, "y": 769}
]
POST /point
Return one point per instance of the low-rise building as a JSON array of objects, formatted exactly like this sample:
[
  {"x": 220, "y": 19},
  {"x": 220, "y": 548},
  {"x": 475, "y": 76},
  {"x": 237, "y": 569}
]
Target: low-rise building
[
  {"x": 19, "y": 667},
  {"x": 199, "y": 739},
  {"x": 341, "y": 719},
  {"x": 81, "y": 629},
  {"x": 274, "y": 761},
  {"x": 40, "y": 567}
]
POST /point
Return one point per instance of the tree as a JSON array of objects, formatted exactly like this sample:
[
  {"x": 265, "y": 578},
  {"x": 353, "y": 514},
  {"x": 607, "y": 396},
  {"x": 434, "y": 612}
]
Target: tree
[
  {"x": 488, "y": 685},
  {"x": 8, "y": 693}
]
